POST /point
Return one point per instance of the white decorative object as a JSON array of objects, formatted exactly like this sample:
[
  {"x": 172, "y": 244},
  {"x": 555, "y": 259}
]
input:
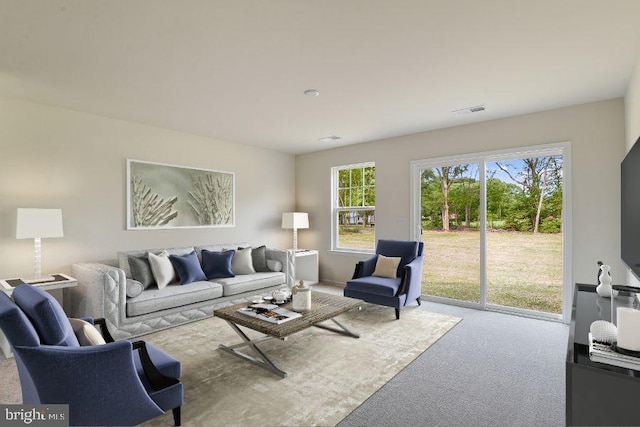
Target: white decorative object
[
  {"x": 301, "y": 297},
  {"x": 604, "y": 288},
  {"x": 604, "y": 332},
  {"x": 36, "y": 224},
  {"x": 279, "y": 296},
  {"x": 295, "y": 220},
  {"x": 628, "y": 328},
  {"x": 161, "y": 196}
]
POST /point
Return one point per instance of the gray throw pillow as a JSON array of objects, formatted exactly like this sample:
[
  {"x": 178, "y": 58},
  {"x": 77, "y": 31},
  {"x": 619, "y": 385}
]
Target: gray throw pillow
[
  {"x": 241, "y": 262},
  {"x": 259, "y": 258},
  {"x": 141, "y": 270}
]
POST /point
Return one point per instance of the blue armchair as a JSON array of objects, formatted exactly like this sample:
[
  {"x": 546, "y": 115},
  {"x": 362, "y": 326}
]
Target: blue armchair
[
  {"x": 393, "y": 290},
  {"x": 115, "y": 383}
]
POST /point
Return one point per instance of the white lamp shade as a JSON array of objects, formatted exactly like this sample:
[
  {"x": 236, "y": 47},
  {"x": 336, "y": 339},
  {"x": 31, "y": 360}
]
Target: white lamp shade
[
  {"x": 295, "y": 220},
  {"x": 33, "y": 223}
]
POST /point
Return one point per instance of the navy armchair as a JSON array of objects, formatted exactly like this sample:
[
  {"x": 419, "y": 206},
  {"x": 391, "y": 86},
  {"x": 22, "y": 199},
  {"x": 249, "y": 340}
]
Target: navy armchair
[
  {"x": 110, "y": 383},
  {"x": 391, "y": 288}
]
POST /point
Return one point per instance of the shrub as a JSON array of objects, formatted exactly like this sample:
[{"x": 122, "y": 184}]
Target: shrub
[
  {"x": 432, "y": 224},
  {"x": 551, "y": 225},
  {"x": 516, "y": 223}
]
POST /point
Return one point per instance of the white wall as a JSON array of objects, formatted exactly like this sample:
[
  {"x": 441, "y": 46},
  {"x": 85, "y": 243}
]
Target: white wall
[
  {"x": 632, "y": 128},
  {"x": 596, "y": 132},
  {"x": 56, "y": 158}
]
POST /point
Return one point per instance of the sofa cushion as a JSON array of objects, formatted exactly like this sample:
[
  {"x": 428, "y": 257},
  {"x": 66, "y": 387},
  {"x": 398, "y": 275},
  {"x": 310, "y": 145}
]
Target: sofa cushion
[
  {"x": 86, "y": 333},
  {"x": 174, "y": 295},
  {"x": 18, "y": 329},
  {"x": 259, "y": 259},
  {"x": 407, "y": 250},
  {"x": 123, "y": 256},
  {"x": 221, "y": 247},
  {"x": 141, "y": 270},
  {"x": 241, "y": 263},
  {"x": 375, "y": 285},
  {"x": 274, "y": 265},
  {"x": 387, "y": 266},
  {"x": 163, "y": 270},
  {"x": 217, "y": 265},
  {"x": 134, "y": 288},
  {"x": 46, "y": 315},
  {"x": 250, "y": 282},
  {"x": 188, "y": 268}
]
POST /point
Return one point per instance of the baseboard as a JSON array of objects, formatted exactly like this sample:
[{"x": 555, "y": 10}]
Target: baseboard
[{"x": 333, "y": 283}]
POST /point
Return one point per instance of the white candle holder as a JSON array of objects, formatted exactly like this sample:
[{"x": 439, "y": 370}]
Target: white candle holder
[{"x": 625, "y": 314}]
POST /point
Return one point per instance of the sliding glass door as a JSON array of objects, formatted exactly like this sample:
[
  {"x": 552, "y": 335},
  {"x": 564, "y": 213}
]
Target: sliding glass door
[
  {"x": 450, "y": 207},
  {"x": 494, "y": 230}
]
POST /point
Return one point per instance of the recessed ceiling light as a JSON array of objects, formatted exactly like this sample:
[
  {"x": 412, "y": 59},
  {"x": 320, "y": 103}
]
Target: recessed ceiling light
[
  {"x": 468, "y": 110},
  {"x": 330, "y": 138},
  {"x": 311, "y": 92}
]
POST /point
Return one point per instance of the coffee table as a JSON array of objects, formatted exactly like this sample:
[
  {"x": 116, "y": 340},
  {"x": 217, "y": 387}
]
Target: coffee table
[{"x": 323, "y": 307}]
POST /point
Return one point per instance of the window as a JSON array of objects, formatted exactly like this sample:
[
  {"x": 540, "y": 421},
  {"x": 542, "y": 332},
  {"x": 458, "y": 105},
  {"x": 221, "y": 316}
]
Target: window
[{"x": 354, "y": 207}]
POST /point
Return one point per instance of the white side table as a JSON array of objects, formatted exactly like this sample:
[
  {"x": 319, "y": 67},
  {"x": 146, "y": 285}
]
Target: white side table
[
  {"x": 60, "y": 281},
  {"x": 305, "y": 265}
]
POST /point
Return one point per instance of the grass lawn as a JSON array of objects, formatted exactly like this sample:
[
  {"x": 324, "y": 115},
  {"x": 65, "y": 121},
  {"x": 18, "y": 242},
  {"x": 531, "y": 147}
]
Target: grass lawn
[{"x": 523, "y": 270}]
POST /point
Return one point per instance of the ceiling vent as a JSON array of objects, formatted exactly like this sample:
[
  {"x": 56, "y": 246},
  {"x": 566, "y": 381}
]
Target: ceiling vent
[
  {"x": 331, "y": 138},
  {"x": 468, "y": 110}
]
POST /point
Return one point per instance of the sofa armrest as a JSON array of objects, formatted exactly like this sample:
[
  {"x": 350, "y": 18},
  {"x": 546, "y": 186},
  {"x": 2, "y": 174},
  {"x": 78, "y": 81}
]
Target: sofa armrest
[
  {"x": 412, "y": 279},
  {"x": 157, "y": 379},
  {"x": 101, "y": 373},
  {"x": 100, "y": 292},
  {"x": 366, "y": 267},
  {"x": 285, "y": 257}
]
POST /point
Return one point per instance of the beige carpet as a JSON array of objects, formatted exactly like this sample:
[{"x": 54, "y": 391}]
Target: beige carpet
[{"x": 329, "y": 374}]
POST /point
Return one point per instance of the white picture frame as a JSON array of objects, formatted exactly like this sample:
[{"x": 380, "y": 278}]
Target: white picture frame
[{"x": 163, "y": 196}]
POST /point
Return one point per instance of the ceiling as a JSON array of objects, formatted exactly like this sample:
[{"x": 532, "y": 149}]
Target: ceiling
[{"x": 236, "y": 70}]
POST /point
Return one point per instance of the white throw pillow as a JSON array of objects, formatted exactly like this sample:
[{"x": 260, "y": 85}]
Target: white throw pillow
[
  {"x": 387, "y": 266},
  {"x": 162, "y": 269},
  {"x": 86, "y": 333},
  {"x": 242, "y": 263}
]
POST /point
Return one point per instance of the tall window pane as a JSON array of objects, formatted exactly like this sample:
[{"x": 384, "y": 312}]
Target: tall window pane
[{"x": 354, "y": 207}]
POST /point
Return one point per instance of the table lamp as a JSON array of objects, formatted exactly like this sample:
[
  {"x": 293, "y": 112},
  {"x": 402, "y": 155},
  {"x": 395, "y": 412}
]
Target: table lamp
[
  {"x": 295, "y": 220},
  {"x": 37, "y": 224}
]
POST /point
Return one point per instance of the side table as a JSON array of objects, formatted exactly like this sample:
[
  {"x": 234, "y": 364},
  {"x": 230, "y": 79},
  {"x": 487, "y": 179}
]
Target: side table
[
  {"x": 305, "y": 264},
  {"x": 60, "y": 281}
]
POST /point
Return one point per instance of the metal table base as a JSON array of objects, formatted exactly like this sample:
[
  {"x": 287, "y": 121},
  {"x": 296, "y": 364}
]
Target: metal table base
[{"x": 262, "y": 360}]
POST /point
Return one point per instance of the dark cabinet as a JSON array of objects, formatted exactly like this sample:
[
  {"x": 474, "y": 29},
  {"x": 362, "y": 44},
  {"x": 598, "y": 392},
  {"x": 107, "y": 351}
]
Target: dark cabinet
[{"x": 596, "y": 393}]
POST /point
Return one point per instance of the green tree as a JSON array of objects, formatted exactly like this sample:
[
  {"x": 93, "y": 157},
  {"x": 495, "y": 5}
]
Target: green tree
[
  {"x": 539, "y": 178},
  {"x": 447, "y": 176},
  {"x": 431, "y": 199}
]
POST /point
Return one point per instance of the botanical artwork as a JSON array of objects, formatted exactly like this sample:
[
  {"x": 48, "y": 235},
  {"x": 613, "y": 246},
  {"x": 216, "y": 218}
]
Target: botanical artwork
[{"x": 166, "y": 196}]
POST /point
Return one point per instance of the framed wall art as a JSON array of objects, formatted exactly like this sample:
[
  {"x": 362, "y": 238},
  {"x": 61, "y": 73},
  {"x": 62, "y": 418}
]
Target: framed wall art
[{"x": 168, "y": 196}]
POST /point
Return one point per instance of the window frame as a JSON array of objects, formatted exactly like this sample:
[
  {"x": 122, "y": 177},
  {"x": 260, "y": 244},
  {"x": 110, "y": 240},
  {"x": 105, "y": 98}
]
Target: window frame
[{"x": 336, "y": 208}]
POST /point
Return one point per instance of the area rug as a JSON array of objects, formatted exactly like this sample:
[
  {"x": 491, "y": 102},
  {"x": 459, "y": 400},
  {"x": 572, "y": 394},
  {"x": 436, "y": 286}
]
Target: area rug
[{"x": 328, "y": 374}]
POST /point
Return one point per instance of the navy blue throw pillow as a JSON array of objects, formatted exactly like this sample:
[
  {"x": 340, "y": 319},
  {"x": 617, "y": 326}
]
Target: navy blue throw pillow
[
  {"x": 188, "y": 267},
  {"x": 217, "y": 265}
]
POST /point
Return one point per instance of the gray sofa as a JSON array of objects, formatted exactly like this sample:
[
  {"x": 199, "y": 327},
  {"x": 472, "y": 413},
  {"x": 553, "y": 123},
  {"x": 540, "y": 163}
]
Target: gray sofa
[{"x": 102, "y": 292}]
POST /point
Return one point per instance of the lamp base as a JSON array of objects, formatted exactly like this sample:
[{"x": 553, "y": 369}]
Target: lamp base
[{"x": 43, "y": 279}]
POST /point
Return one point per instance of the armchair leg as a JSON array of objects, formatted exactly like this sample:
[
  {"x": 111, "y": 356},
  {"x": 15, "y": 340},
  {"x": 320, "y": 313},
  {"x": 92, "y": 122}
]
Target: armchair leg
[
  {"x": 397, "y": 314},
  {"x": 419, "y": 301},
  {"x": 176, "y": 416}
]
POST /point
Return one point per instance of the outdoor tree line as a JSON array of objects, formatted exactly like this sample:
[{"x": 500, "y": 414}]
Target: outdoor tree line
[
  {"x": 531, "y": 202},
  {"x": 357, "y": 189}
]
